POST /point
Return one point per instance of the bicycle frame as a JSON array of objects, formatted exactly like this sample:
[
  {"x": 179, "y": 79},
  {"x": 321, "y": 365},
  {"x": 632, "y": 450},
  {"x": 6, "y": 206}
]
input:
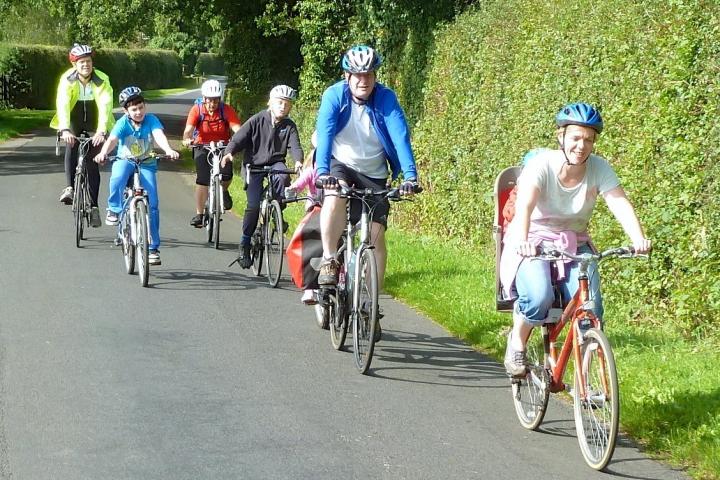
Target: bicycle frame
[
  {"x": 133, "y": 195},
  {"x": 578, "y": 310}
]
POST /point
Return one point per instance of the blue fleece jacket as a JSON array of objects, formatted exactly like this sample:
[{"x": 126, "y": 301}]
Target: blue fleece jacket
[{"x": 387, "y": 119}]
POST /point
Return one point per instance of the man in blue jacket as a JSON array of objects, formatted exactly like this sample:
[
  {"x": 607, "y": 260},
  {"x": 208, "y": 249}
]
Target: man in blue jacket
[{"x": 361, "y": 130}]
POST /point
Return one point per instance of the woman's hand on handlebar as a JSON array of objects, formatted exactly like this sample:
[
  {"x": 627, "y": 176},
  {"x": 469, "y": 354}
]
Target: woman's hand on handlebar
[
  {"x": 642, "y": 245},
  {"x": 526, "y": 249},
  {"x": 187, "y": 142},
  {"x": 68, "y": 137},
  {"x": 172, "y": 154},
  {"x": 226, "y": 158}
]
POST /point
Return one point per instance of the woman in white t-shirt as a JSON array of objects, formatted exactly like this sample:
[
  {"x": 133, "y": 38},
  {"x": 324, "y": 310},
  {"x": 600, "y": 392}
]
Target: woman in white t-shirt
[{"x": 557, "y": 191}]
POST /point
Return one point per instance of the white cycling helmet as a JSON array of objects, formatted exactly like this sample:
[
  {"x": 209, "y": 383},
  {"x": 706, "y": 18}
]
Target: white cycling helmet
[
  {"x": 128, "y": 94},
  {"x": 360, "y": 59},
  {"x": 211, "y": 89},
  {"x": 79, "y": 51},
  {"x": 283, "y": 91}
]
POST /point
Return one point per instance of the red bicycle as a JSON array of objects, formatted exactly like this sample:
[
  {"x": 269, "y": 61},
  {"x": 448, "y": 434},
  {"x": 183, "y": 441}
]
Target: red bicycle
[{"x": 596, "y": 402}]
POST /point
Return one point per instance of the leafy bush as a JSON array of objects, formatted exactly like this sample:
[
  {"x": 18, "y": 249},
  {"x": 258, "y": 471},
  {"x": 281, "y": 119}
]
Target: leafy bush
[
  {"x": 209, "y": 64},
  {"x": 35, "y": 69},
  {"x": 501, "y": 72}
]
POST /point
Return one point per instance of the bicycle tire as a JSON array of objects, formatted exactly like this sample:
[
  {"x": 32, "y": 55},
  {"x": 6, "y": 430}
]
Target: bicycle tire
[
  {"x": 274, "y": 244},
  {"x": 78, "y": 207},
  {"x": 364, "y": 308},
  {"x": 256, "y": 251},
  {"x": 142, "y": 242},
  {"x": 216, "y": 211},
  {"x": 531, "y": 393},
  {"x": 128, "y": 247},
  {"x": 322, "y": 316},
  {"x": 337, "y": 320},
  {"x": 597, "y": 415}
]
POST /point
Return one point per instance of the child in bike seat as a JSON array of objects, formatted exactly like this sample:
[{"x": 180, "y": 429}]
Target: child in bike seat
[
  {"x": 307, "y": 179},
  {"x": 133, "y": 134}
]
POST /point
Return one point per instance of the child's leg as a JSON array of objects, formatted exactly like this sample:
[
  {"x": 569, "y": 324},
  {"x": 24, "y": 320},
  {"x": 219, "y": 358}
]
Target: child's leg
[
  {"x": 121, "y": 171},
  {"x": 149, "y": 182}
]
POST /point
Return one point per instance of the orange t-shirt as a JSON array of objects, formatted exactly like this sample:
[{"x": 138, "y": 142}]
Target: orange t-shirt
[{"x": 213, "y": 128}]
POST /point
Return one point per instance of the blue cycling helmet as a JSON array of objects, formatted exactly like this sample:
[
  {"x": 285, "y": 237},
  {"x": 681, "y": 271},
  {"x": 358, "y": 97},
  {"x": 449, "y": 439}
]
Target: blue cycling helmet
[
  {"x": 582, "y": 114},
  {"x": 361, "y": 59},
  {"x": 128, "y": 94}
]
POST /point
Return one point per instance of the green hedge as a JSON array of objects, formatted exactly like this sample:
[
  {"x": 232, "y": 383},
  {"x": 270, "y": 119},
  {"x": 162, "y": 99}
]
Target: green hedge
[
  {"x": 209, "y": 64},
  {"x": 34, "y": 71},
  {"x": 499, "y": 74}
]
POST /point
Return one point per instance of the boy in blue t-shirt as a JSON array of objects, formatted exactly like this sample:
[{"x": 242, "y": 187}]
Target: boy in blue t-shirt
[{"x": 134, "y": 134}]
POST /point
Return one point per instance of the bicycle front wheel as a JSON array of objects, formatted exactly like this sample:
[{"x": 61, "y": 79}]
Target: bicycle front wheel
[
  {"x": 216, "y": 211},
  {"x": 142, "y": 242},
  {"x": 365, "y": 308},
  {"x": 531, "y": 393},
  {"x": 596, "y": 400},
  {"x": 79, "y": 208},
  {"x": 274, "y": 243}
]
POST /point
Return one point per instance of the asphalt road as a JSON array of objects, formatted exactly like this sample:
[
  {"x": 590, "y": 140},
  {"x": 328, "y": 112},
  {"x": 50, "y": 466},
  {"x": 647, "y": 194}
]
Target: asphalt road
[{"x": 210, "y": 374}]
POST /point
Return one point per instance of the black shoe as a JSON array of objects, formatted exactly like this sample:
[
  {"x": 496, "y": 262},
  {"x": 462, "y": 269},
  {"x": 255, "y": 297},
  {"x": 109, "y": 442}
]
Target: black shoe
[
  {"x": 198, "y": 221},
  {"x": 227, "y": 200},
  {"x": 378, "y": 331},
  {"x": 244, "y": 258},
  {"x": 285, "y": 226}
]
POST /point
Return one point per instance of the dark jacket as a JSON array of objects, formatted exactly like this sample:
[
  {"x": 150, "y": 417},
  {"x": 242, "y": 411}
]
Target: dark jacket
[{"x": 265, "y": 144}]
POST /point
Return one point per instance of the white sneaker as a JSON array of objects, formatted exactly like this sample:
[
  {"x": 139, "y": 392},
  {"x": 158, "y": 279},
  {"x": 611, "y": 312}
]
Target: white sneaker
[
  {"x": 111, "y": 218},
  {"x": 154, "y": 257},
  {"x": 515, "y": 360},
  {"x": 66, "y": 196}
]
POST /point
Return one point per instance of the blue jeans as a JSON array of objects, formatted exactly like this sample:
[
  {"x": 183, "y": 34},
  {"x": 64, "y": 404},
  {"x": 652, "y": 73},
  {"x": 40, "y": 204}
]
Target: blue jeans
[
  {"x": 121, "y": 171},
  {"x": 535, "y": 288}
]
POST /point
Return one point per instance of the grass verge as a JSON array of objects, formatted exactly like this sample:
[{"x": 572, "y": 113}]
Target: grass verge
[{"x": 16, "y": 121}]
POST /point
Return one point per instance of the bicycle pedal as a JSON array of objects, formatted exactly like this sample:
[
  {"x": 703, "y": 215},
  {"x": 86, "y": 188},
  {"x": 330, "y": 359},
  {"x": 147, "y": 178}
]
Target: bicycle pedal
[{"x": 117, "y": 242}]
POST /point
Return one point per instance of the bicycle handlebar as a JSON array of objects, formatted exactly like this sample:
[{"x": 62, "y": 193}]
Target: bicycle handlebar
[
  {"x": 209, "y": 146},
  {"x": 138, "y": 160},
  {"x": 394, "y": 194},
  {"x": 268, "y": 170},
  {"x": 551, "y": 254}
]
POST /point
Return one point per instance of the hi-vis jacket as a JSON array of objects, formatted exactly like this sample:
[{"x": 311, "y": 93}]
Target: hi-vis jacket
[{"x": 68, "y": 93}]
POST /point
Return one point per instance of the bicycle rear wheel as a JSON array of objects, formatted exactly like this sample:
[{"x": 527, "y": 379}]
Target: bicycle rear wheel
[
  {"x": 531, "y": 393},
  {"x": 256, "y": 251},
  {"x": 216, "y": 211},
  {"x": 597, "y": 412},
  {"x": 208, "y": 219},
  {"x": 337, "y": 319},
  {"x": 128, "y": 247},
  {"x": 274, "y": 243},
  {"x": 365, "y": 308},
  {"x": 142, "y": 242}
]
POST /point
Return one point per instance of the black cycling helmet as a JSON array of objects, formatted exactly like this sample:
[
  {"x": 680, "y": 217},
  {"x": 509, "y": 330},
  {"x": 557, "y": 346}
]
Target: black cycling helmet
[{"x": 582, "y": 114}]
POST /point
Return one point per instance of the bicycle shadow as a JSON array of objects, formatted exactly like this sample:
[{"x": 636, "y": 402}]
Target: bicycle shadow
[
  {"x": 420, "y": 358},
  {"x": 200, "y": 280}
]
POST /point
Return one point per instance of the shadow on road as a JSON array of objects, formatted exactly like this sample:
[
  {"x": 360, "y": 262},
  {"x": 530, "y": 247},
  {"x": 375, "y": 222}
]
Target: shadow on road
[
  {"x": 200, "y": 280},
  {"x": 30, "y": 161},
  {"x": 420, "y": 358}
]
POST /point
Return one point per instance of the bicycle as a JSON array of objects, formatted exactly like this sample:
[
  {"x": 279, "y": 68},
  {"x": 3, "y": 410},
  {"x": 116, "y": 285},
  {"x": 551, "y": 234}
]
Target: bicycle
[
  {"x": 81, "y": 203},
  {"x": 134, "y": 223},
  {"x": 355, "y": 299},
  {"x": 215, "y": 205},
  {"x": 596, "y": 403},
  {"x": 268, "y": 239}
]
